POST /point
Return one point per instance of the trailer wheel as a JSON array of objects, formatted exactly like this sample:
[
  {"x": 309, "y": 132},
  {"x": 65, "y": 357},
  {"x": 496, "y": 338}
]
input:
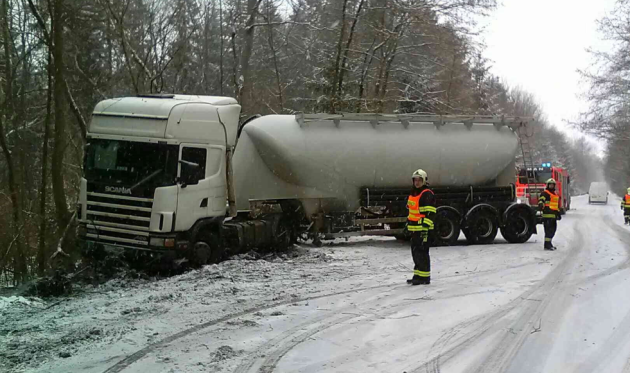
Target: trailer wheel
[
  {"x": 206, "y": 250},
  {"x": 482, "y": 225},
  {"x": 446, "y": 226},
  {"x": 519, "y": 223}
]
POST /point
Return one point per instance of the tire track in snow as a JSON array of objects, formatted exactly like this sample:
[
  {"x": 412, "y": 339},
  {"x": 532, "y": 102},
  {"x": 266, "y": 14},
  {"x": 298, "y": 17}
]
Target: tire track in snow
[
  {"x": 494, "y": 322},
  {"x": 131, "y": 359},
  {"x": 619, "y": 337},
  {"x": 358, "y": 354},
  {"x": 292, "y": 337},
  {"x": 623, "y": 236},
  {"x": 502, "y": 356},
  {"x": 138, "y": 355},
  {"x": 560, "y": 294}
]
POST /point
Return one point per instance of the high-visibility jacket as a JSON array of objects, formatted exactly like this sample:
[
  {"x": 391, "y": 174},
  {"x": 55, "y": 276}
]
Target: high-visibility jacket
[
  {"x": 421, "y": 210},
  {"x": 625, "y": 201},
  {"x": 549, "y": 203}
]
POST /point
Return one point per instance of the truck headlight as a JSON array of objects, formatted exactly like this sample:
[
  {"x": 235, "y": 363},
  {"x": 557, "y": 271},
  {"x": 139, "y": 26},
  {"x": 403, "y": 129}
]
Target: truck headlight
[
  {"x": 519, "y": 200},
  {"x": 162, "y": 242},
  {"x": 156, "y": 241}
]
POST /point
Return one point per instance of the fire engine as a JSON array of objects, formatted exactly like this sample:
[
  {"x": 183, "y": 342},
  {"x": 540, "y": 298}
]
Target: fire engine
[{"x": 529, "y": 193}]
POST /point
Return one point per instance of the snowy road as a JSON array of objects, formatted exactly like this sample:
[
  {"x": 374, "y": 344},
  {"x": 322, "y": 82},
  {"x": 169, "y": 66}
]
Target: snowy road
[{"x": 498, "y": 308}]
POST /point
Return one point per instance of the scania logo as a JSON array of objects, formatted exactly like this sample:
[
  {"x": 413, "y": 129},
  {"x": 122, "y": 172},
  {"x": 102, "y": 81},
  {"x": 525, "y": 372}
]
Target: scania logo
[{"x": 119, "y": 190}]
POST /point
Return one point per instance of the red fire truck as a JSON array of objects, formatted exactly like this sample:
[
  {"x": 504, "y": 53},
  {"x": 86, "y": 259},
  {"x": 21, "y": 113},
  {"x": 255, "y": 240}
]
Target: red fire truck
[{"x": 528, "y": 193}]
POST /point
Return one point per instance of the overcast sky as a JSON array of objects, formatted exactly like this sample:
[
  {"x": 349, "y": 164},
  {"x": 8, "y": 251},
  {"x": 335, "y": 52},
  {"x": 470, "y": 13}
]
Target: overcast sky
[{"x": 539, "y": 45}]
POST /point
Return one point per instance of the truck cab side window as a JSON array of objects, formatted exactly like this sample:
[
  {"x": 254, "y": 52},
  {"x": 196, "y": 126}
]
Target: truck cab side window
[{"x": 194, "y": 165}]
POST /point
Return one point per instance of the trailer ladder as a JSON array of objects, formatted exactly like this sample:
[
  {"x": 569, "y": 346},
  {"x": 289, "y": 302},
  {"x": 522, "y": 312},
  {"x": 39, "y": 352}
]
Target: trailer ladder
[{"x": 527, "y": 151}]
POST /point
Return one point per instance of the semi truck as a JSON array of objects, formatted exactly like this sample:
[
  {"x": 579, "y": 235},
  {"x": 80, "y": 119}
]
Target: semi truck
[{"x": 183, "y": 177}]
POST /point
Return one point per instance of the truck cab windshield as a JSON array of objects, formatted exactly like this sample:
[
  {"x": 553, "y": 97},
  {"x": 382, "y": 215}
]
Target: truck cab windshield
[{"x": 131, "y": 164}]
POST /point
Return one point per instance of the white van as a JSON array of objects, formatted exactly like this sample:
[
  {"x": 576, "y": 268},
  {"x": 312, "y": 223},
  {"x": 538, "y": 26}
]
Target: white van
[{"x": 598, "y": 193}]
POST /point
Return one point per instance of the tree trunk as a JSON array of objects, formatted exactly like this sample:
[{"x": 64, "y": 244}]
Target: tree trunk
[
  {"x": 333, "y": 85},
  {"x": 41, "y": 247},
  {"x": 344, "y": 61},
  {"x": 59, "y": 193},
  {"x": 369, "y": 56},
  {"x": 20, "y": 270},
  {"x": 222, "y": 48},
  {"x": 246, "y": 54},
  {"x": 275, "y": 58}
]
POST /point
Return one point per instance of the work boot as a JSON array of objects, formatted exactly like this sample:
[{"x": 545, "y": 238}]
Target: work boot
[
  {"x": 414, "y": 278},
  {"x": 548, "y": 246},
  {"x": 418, "y": 281}
]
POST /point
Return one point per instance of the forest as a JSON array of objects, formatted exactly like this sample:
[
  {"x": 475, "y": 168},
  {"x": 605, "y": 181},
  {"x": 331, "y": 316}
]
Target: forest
[{"x": 58, "y": 58}]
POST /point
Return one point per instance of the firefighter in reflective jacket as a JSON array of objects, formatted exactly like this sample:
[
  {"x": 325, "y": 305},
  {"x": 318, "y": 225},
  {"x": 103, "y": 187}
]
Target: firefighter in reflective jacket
[
  {"x": 421, "y": 205},
  {"x": 625, "y": 206},
  {"x": 549, "y": 204}
]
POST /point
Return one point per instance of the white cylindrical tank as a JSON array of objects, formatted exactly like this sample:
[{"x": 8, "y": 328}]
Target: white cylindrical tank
[{"x": 276, "y": 158}]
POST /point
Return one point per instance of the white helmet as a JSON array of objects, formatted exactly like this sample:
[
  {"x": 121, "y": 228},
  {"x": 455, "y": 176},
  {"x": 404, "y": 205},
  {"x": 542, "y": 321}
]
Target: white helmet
[
  {"x": 551, "y": 181},
  {"x": 628, "y": 190},
  {"x": 419, "y": 173}
]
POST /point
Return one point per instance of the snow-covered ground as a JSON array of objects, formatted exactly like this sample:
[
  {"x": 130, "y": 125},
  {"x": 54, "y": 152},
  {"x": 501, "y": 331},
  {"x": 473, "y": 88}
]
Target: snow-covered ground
[{"x": 346, "y": 307}]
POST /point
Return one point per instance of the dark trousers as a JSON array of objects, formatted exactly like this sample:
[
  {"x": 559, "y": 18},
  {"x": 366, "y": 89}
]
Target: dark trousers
[
  {"x": 550, "y": 230},
  {"x": 420, "y": 255},
  {"x": 626, "y": 215}
]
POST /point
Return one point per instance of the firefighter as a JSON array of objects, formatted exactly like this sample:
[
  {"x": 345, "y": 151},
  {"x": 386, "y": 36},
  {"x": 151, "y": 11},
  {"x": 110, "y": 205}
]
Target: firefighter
[
  {"x": 421, "y": 205},
  {"x": 625, "y": 206},
  {"x": 549, "y": 204}
]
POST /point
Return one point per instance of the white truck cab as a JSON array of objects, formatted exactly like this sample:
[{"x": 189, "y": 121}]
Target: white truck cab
[{"x": 156, "y": 166}]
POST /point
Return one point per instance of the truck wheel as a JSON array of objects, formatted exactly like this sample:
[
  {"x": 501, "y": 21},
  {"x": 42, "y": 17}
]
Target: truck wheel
[
  {"x": 482, "y": 225},
  {"x": 446, "y": 227},
  {"x": 518, "y": 224},
  {"x": 206, "y": 250}
]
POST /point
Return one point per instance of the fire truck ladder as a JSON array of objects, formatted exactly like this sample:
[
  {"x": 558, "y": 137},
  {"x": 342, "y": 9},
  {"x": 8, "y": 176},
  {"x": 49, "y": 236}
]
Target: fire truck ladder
[{"x": 526, "y": 142}]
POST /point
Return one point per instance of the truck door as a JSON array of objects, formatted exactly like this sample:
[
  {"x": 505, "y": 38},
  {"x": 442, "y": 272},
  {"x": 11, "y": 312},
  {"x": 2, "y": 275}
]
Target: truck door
[{"x": 201, "y": 189}]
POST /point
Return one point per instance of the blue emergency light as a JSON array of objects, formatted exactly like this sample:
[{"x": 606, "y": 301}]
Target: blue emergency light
[{"x": 546, "y": 164}]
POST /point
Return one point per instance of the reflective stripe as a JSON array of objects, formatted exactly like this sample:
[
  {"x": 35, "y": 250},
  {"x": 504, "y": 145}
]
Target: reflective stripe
[
  {"x": 549, "y": 216},
  {"x": 547, "y": 239},
  {"x": 417, "y": 228},
  {"x": 414, "y": 211},
  {"x": 428, "y": 222},
  {"x": 421, "y": 273},
  {"x": 428, "y": 209}
]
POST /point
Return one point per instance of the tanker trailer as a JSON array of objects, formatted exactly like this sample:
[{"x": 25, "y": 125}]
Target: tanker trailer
[
  {"x": 348, "y": 175},
  {"x": 177, "y": 176}
]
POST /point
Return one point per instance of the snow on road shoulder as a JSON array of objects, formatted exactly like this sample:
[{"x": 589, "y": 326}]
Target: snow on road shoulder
[
  {"x": 126, "y": 314},
  {"x": 13, "y": 301}
]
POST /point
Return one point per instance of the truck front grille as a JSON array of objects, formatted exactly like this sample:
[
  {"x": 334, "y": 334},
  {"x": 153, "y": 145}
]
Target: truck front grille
[{"x": 118, "y": 220}]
